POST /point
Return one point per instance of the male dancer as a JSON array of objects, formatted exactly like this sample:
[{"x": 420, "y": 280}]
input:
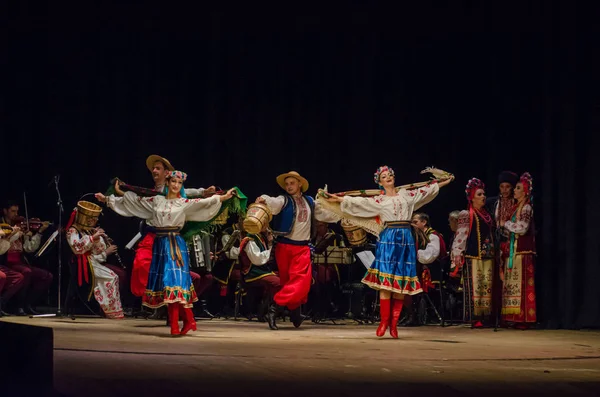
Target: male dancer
[{"x": 294, "y": 224}]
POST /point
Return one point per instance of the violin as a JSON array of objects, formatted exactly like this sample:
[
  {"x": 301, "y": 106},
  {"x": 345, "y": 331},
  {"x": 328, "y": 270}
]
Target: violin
[
  {"x": 34, "y": 224},
  {"x": 6, "y": 228}
]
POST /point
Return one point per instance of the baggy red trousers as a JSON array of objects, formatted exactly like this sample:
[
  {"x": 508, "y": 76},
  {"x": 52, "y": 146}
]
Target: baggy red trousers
[
  {"x": 293, "y": 262},
  {"x": 141, "y": 265}
]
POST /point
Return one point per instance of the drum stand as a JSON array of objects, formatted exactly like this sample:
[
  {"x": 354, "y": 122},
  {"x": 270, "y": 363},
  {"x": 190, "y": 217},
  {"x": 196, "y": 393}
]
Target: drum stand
[{"x": 318, "y": 313}]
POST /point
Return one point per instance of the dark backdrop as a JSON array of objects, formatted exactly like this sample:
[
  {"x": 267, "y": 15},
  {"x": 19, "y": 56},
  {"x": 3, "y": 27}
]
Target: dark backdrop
[{"x": 235, "y": 97}]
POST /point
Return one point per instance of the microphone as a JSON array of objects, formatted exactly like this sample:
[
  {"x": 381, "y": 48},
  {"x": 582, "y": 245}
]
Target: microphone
[{"x": 54, "y": 180}]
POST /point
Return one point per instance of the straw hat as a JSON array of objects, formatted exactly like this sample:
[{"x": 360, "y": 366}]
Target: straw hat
[
  {"x": 281, "y": 180},
  {"x": 154, "y": 158}
]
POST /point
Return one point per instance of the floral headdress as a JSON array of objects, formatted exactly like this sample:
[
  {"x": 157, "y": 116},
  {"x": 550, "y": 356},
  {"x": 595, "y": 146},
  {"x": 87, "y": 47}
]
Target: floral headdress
[
  {"x": 380, "y": 170},
  {"x": 527, "y": 182},
  {"x": 177, "y": 174},
  {"x": 472, "y": 187}
]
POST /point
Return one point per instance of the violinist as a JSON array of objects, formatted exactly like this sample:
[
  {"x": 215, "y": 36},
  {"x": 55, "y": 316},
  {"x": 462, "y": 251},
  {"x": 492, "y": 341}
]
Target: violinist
[
  {"x": 36, "y": 280},
  {"x": 10, "y": 281}
]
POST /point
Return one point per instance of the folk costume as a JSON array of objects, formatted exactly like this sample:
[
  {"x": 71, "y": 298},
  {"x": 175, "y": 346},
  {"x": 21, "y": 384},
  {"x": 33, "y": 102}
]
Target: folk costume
[
  {"x": 143, "y": 252},
  {"x": 518, "y": 297},
  {"x": 11, "y": 281},
  {"x": 473, "y": 250},
  {"x": 294, "y": 225},
  {"x": 93, "y": 278},
  {"x": 35, "y": 280},
  {"x": 395, "y": 265},
  {"x": 169, "y": 281}
]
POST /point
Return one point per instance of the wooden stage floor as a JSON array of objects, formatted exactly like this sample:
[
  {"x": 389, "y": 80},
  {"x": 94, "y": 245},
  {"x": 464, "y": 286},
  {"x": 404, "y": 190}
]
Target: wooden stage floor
[{"x": 136, "y": 357}]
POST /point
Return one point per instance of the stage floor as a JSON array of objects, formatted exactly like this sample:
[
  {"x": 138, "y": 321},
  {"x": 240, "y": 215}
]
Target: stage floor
[{"x": 136, "y": 357}]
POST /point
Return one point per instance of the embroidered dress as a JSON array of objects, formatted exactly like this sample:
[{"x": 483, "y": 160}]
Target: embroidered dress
[
  {"x": 518, "y": 295},
  {"x": 394, "y": 268},
  {"x": 169, "y": 279},
  {"x": 104, "y": 282},
  {"x": 475, "y": 240}
]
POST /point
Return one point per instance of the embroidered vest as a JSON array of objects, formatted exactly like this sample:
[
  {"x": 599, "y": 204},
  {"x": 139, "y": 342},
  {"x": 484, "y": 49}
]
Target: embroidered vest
[
  {"x": 480, "y": 243},
  {"x": 252, "y": 272},
  {"x": 283, "y": 223}
]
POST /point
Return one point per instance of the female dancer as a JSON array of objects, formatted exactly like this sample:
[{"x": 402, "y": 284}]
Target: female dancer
[
  {"x": 518, "y": 297},
  {"x": 394, "y": 271},
  {"x": 474, "y": 242},
  {"x": 169, "y": 279}
]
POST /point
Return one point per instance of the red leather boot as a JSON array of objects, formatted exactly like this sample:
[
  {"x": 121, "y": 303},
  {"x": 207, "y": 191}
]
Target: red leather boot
[
  {"x": 189, "y": 322},
  {"x": 384, "y": 313},
  {"x": 174, "y": 318},
  {"x": 396, "y": 310}
]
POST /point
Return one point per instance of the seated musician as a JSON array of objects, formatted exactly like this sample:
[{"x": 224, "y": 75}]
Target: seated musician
[
  {"x": 426, "y": 256},
  {"x": 87, "y": 241},
  {"x": 227, "y": 268},
  {"x": 10, "y": 281},
  {"x": 36, "y": 281},
  {"x": 254, "y": 254}
]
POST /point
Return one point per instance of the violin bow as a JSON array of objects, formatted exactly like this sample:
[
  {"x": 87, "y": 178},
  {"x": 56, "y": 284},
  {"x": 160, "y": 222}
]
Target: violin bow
[{"x": 26, "y": 212}]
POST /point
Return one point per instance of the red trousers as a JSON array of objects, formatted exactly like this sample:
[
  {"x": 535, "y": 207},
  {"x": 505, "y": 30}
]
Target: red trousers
[
  {"x": 293, "y": 262},
  {"x": 201, "y": 283},
  {"x": 11, "y": 282},
  {"x": 35, "y": 280},
  {"x": 271, "y": 284},
  {"x": 141, "y": 265}
]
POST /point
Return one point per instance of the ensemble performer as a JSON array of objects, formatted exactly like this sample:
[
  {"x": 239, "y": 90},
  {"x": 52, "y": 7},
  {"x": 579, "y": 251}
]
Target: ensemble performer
[
  {"x": 254, "y": 254},
  {"x": 294, "y": 225},
  {"x": 11, "y": 281},
  {"x": 474, "y": 244},
  {"x": 36, "y": 280},
  {"x": 160, "y": 168},
  {"x": 90, "y": 252},
  {"x": 169, "y": 281},
  {"x": 430, "y": 254},
  {"x": 394, "y": 271},
  {"x": 502, "y": 208},
  {"x": 518, "y": 298}
]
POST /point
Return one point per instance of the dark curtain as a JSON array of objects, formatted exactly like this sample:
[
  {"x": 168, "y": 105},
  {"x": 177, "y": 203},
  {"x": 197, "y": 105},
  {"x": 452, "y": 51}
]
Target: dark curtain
[{"x": 237, "y": 97}]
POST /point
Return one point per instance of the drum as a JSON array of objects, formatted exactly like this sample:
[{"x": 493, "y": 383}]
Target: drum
[
  {"x": 335, "y": 256},
  {"x": 356, "y": 236},
  {"x": 257, "y": 217}
]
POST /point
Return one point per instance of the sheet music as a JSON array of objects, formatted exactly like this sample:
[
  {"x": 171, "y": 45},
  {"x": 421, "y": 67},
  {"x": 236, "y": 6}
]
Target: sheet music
[
  {"x": 366, "y": 257},
  {"x": 133, "y": 241},
  {"x": 47, "y": 243}
]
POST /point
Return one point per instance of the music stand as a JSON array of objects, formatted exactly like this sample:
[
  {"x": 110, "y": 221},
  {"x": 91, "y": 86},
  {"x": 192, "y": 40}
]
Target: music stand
[{"x": 57, "y": 235}]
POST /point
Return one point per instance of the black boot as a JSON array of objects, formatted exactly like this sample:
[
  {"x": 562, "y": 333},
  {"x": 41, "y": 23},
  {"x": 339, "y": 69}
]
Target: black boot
[
  {"x": 271, "y": 315},
  {"x": 2, "y": 312},
  {"x": 296, "y": 317}
]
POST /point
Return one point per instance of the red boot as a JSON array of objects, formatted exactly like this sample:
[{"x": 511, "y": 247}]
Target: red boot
[
  {"x": 384, "y": 312},
  {"x": 174, "y": 318},
  {"x": 189, "y": 322},
  {"x": 396, "y": 310}
]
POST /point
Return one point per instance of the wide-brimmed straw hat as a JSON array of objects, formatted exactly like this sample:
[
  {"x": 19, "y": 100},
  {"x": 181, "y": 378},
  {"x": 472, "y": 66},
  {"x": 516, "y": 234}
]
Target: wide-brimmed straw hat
[
  {"x": 281, "y": 180},
  {"x": 154, "y": 158}
]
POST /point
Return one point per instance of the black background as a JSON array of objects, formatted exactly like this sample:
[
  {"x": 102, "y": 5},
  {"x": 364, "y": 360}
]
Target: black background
[{"x": 238, "y": 96}]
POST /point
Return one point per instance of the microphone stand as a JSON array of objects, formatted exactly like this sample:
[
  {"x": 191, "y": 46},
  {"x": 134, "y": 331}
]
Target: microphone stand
[{"x": 59, "y": 204}]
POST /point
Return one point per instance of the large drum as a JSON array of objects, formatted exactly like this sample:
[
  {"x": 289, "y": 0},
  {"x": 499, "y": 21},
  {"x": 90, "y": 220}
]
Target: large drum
[
  {"x": 357, "y": 236},
  {"x": 257, "y": 216}
]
